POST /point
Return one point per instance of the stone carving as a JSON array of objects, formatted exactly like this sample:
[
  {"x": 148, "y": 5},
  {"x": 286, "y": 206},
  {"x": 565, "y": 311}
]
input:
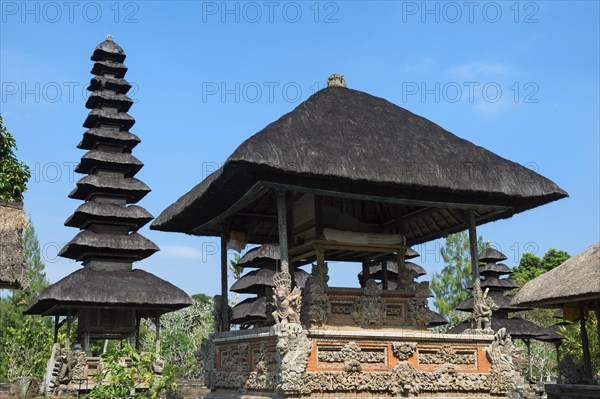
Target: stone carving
[
  {"x": 294, "y": 348},
  {"x": 445, "y": 355},
  {"x": 403, "y": 350},
  {"x": 206, "y": 356},
  {"x": 64, "y": 367},
  {"x": 316, "y": 301},
  {"x": 502, "y": 353},
  {"x": 351, "y": 355},
  {"x": 235, "y": 359},
  {"x": 369, "y": 310},
  {"x": 336, "y": 80},
  {"x": 287, "y": 301},
  {"x": 340, "y": 356},
  {"x": 405, "y": 379},
  {"x": 483, "y": 306}
]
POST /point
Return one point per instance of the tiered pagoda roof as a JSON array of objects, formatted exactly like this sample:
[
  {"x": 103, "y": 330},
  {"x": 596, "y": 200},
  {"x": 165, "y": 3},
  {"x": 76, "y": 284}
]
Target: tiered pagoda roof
[
  {"x": 109, "y": 242},
  {"x": 492, "y": 272}
]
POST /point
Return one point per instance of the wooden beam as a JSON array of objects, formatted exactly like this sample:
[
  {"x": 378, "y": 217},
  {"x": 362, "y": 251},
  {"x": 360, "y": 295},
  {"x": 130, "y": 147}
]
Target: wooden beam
[{"x": 374, "y": 198}]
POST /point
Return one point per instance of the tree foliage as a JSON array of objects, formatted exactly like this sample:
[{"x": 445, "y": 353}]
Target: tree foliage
[
  {"x": 450, "y": 286},
  {"x": 118, "y": 380},
  {"x": 530, "y": 266},
  {"x": 25, "y": 341},
  {"x": 181, "y": 334},
  {"x": 14, "y": 174}
]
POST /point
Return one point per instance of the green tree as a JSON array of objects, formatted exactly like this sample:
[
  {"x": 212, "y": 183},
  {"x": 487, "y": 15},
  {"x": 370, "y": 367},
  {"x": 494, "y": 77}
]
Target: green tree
[
  {"x": 25, "y": 341},
  {"x": 530, "y": 266},
  {"x": 14, "y": 174},
  {"x": 181, "y": 334},
  {"x": 236, "y": 271},
  {"x": 450, "y": 286}
]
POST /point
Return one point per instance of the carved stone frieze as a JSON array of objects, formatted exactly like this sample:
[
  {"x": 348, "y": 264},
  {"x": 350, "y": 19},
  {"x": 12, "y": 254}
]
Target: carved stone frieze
[
  {"x": 369, "y": 310},
  {"x": 403, "y": 350},
  {"x": 235, "y": 358},
  {"x": 446, "y": 354},
  {"x": 329, "y": 355}
]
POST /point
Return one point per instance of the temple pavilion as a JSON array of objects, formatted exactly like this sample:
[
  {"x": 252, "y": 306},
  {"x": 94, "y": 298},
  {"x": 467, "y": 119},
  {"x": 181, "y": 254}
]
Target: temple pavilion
[
  {"x": 350, "y": 177},
  {"x": 107, "y": 296}
]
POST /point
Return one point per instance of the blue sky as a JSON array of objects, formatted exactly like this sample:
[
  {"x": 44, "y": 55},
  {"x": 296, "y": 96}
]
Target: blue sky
[{"x": 518, "y": 78}]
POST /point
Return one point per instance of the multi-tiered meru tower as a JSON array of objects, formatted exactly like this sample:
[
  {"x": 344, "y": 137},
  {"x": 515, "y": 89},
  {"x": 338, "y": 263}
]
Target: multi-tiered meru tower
[{"x": 108, "y": 296}]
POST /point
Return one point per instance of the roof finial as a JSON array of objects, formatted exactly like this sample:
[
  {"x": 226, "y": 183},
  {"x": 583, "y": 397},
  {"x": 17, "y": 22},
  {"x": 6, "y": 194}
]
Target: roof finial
[
  {"x": 488, "y": 244},
  {"x": 109, "y": 37},
  {"x": 336, "y": 80}
]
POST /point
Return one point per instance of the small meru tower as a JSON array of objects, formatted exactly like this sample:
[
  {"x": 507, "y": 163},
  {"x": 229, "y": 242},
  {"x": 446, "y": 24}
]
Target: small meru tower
[{"x": 108, "y": 296}]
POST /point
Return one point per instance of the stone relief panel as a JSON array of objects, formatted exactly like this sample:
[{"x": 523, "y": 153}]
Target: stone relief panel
[
  {"x": 449, "y": 355},
  {"x": 369, "y": 310}
]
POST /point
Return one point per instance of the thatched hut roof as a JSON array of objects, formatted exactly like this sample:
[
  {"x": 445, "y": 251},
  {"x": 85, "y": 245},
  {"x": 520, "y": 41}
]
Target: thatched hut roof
[
  {"x": 254, "y": 282},
  {"x": 499, "y": 298},
  {"x": 577, "y": 279},
  {"x": 111, "y": 288},
  {"x": 490, "y": 269},
  {"x": 515, "y": 326},
  {"x": 435, "y": 319},
  {"x": 13, "y": 268},
  {"x": 265, "y": 255},
  {"x": 491, "y": 255},
  {"x": 392, "y": 268},
  {"x": 250, "y": 311},
  {"x": 346, "y": 141}
]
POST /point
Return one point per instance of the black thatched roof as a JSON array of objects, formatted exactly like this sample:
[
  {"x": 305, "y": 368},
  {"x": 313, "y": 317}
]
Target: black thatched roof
[
  {"x": 435, "y": 319},
  {"x": 121, "y": 289},
  {"x": 101, "y": 212},
  {"x": 119, "y": 86},
  {"x": 250, "y": 311},
  {"x": 108, "y": 50},
  {"x": 552, "y": 335},
  {"x": 491, "y": 269},
  {"x": 88, "y": 244},
  {"x": 347, "y": 141},
  {"x": 254, "y": 282},
  {"x": 120, "y": 138},
  {"x": 127, "y": 187},
  {"x": 491, "y": 255},
  {"x": 499, "y": 298},
  {"x": 577, "y": 279},
  {"x": 495, "y": 283},
  {"x": 265, "y": 255},
  {"x": 119, "y": 161},
  {"x": 517, "y": 328},
  {"x": 392, "y": 268}
]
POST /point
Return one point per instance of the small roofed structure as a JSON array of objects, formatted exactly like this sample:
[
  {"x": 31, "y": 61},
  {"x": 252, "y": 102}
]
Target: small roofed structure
[
  {"x": 575, "y": 286},
  {"x": 13, "y": 268},
  {"x": 349, "y": 177},
  {"x": 108, "y": 297}
]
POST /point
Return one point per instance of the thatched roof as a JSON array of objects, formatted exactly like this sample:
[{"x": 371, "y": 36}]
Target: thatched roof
[
  {"x": 392, "y": 268},
  {"x": 490, "y": 269},
  {"x": 254, "y": 282},
  {"x": 250, "y": 311},
  {"x": 435, "y": 319},
  {"x": 491, "y": 255},
  {"x": 347, "y": 141},
  {"x": 577, "y": 279},
  {"x": 552, "y": 335},
  {"x": 516, "y": 327},
  {"x": 265, "y": 255},
  {"x": 499, "y": 298},
  {"x": 115, "y": 288},
  {"x": 13, "y": 268}
]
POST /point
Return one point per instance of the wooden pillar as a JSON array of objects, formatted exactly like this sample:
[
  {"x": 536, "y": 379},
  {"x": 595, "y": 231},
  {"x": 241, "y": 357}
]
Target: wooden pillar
[
  {"x": 138, "y": 320},
  {"x": 86, "y": 342},
  {"x": 68, "y": 335},
  {"x": 473, "y": 245},
  {"x": 224, "y": 285},
  {"x": 282, "y": 227},
  {"x": 56, "y": 327},
  {"x": 401, "y": 259},
  {"x": 384, "y": 274},
  {"x": 585, "y": 345},
  {"x": 157, "y": 334},
  {"x": 365, "y": 274}
]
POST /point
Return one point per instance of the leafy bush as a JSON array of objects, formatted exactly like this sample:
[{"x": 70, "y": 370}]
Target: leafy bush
[
  {"x": 118, "y": 379},
  {"x": 13, "y": 173}
]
